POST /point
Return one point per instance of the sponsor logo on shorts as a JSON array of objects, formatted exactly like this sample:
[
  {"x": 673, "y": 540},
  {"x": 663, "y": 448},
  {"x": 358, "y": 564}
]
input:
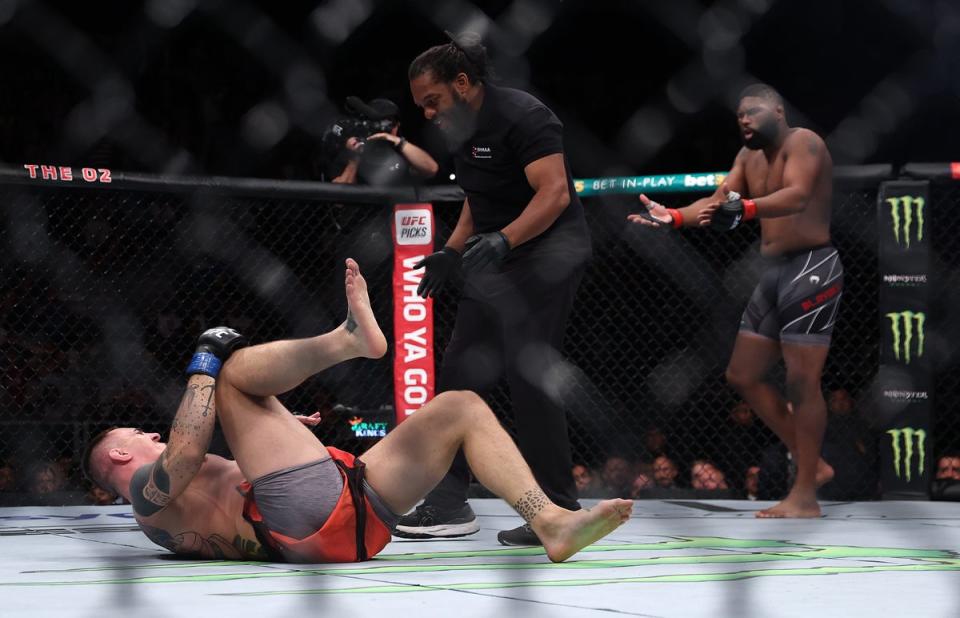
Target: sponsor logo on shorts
[
  {"x": 908, "y": 330},
  {"x": 902, "y": 442},
  {"x": 414, "y": 227},
  {"x": 906, "y": 215},
  {"x": 820, "y": 298}
]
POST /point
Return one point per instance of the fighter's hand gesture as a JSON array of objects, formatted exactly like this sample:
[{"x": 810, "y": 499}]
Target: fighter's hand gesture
[{"x": 656, "y": 215}]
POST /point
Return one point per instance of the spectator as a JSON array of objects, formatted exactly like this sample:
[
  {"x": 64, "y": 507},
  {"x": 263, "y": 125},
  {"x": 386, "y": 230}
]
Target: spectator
[
  {"x": 948, "y": 467},
  {"x": 586, "y": 482},
  {"x": 617, "y": 476},
  {"x": 8, "y": 477},
  {"x": 44, "y": 477},
  {"x": 751, "y": 482},
  {"x": 741, "y": 440},
  {"x": 654, "y": 442},
  {"x": 946, "y": 485},
  {"x": 850, "y": 449},
  {"x": 640, "y": 483},
  {"x": 665, "y": 472},
  {"x": 101, "y": 497},
  {"x": 706, "y": 475}
]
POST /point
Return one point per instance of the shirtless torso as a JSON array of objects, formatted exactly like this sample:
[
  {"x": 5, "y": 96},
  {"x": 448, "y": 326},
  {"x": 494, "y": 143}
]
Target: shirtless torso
[
  {"x": 206, "y": 520},
  {"x": 762, "y": 176}
]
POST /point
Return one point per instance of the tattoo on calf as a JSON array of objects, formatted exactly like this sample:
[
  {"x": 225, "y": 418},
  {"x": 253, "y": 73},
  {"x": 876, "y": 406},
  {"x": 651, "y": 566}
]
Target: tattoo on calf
[{"x": 530, "y": 505}]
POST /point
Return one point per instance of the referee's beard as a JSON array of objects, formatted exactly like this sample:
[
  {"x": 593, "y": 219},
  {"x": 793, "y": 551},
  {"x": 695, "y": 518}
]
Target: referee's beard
[{"x": 459, "y": 122}]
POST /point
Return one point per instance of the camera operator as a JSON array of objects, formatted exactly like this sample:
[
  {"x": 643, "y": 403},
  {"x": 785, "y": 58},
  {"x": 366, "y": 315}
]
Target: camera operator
[{"x": 366, "y": 147}]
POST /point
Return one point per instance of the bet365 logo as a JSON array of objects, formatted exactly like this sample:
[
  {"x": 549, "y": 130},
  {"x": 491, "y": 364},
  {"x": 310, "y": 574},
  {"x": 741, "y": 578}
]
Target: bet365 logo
[
  {"x": 908, "y": 329},
  {"x": 906, "y": 212},
  {"x": 902, "y": 441}
]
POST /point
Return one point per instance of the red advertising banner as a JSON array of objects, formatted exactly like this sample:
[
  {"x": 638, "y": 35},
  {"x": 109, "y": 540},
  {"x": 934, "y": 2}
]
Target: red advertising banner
[{"x": 413, "y": 367}]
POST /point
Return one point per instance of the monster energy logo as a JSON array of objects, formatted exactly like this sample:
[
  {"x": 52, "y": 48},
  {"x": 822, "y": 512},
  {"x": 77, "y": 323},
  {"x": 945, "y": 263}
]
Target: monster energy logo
[
  {"x": 908, "y": 434},
  {"x": 902, "y": 327},
  {"x": 902, "y": 211}
]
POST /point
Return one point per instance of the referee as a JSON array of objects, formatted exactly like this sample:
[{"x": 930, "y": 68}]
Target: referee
[{"x": 522, "y": 244}]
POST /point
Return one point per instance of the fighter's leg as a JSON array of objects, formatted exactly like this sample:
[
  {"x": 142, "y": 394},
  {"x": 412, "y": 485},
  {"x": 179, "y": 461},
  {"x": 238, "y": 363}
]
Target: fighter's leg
[
  {"x": 752, "y": 358},
  {"x": 279, "y": 366},
  {"x": 263, "y": 436},
  {"x": 406, "y": 464},
  {"x": 804, "y": 368}
]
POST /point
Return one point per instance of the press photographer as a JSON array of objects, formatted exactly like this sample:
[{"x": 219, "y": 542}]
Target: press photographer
[{"x": 365, "y": 147}]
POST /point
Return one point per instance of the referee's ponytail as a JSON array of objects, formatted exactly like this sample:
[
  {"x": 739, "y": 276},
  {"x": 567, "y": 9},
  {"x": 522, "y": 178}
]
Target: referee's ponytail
[{"x": 463, "y": 54}]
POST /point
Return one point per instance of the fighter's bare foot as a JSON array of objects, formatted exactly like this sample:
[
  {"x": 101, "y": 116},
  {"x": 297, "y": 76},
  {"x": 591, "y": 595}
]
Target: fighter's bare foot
[
  {"x": 564, "y": 533},
  {"x": 824, "y": 473},
  {"x": 361, "y": 324},
  {"x": 791, "y": 508}
]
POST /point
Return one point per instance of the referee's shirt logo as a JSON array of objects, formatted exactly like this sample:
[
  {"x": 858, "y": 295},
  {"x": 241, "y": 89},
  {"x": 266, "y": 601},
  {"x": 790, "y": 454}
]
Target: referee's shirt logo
[{"x": 481, "y": 152}]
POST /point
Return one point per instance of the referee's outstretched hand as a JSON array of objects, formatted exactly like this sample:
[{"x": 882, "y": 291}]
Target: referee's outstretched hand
[
  {"x": 484, "y": 250},
  {"x": 439, "y": 267}
]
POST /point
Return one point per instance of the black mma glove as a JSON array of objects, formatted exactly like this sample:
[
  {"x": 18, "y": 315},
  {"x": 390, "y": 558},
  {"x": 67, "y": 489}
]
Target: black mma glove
[
  {"x": 733, "y": 213},
  {"x": 214, "y": 347},
  {"x": 439, "y": 266},
  {"x": 483, "y": 250}
]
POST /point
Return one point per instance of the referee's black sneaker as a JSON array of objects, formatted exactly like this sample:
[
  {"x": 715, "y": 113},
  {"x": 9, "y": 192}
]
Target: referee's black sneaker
[
  {"x": 524, "y": 535},
  {"x": 432, "y": 522}
]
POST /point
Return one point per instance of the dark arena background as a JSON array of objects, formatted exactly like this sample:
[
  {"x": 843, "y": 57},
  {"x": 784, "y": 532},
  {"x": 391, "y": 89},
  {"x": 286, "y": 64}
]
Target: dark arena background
[{"x": 163, "y": 172}]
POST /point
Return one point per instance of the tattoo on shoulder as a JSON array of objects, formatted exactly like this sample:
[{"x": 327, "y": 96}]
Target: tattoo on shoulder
[
  {"x": 150, "y": 488},
  {"x": 813, "y": 145},
  {"x": 530, "y": 505}
]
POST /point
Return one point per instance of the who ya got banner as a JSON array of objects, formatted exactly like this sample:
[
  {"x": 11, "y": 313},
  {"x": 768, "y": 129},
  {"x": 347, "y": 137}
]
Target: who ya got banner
[
  {"x": 413, "y": 363},
  {"x": 905, "y": 376}
]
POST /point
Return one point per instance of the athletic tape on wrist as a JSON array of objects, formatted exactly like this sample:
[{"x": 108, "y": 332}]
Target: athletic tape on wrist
[
  {"x": 677, "y": 217},
  {"x": 205, "y": 363},
  {"x": 749, "y": 209}
]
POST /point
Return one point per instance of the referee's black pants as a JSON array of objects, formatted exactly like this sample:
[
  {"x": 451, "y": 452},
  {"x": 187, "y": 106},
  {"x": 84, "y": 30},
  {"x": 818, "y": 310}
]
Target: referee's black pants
[{"x": 513, "y": 322}]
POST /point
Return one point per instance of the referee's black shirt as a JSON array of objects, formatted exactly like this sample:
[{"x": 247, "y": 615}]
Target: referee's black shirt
[{"x": 514, "y": 129}]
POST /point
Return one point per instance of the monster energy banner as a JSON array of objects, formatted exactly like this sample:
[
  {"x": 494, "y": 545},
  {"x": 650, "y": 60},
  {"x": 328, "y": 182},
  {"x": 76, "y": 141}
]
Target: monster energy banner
[{"x": 905, "y": 376}]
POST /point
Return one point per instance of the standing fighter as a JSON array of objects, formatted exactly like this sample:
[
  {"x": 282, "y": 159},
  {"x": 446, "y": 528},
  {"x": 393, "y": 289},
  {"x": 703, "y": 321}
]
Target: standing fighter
[
  {"x": 523, "y": 243},
  {"x": 784, "y": 175}
]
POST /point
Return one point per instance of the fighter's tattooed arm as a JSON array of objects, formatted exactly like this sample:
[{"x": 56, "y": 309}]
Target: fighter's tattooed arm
[
  {"x": 530, "y": 504},
  {"x": 154, "y": 486}
]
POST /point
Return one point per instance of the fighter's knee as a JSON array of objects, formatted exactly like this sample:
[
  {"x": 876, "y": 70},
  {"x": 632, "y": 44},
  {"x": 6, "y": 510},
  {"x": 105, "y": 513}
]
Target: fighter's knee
[
  {"x": 802, "y": 387},
  {"x": 227, "y": 374},
  {"x": 738, "y": 379},
  {"x": 463, "y": 402}
]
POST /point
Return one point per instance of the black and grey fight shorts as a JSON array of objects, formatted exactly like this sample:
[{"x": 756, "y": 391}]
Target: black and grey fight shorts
[
  {"x": 297, "y": 501},
  {"x": 797, "y": 298}
]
